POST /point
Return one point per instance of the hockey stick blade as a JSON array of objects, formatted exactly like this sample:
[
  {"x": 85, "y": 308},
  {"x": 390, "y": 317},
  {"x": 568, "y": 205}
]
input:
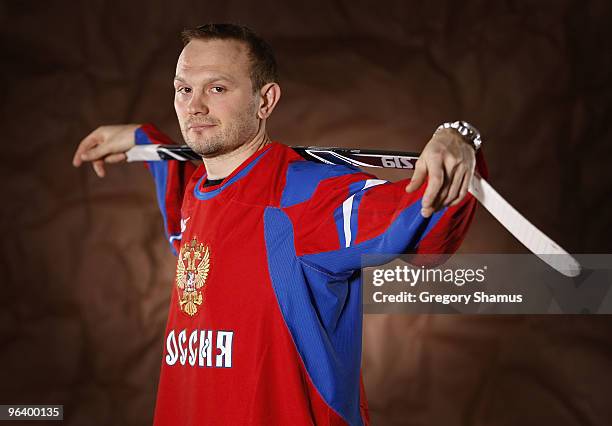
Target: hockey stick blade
[
  {"x": 531, "y": 237},
  {"x": 524, "y": 231}
]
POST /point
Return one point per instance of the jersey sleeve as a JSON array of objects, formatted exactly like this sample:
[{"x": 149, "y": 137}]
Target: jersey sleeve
[
  {"x": 351, "y": 214},
  {"x": 170, "y": 178}
]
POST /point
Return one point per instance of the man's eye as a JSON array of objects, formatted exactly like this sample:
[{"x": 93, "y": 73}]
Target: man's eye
[
  {"x": 183, "y": 90},
  {"x": 218, "y": 89}
]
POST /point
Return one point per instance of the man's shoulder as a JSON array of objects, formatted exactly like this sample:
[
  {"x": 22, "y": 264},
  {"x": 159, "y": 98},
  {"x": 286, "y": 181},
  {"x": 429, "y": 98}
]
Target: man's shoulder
[
  {"x": 302, "y": 168},
  {"x": 303, "y": 177}
]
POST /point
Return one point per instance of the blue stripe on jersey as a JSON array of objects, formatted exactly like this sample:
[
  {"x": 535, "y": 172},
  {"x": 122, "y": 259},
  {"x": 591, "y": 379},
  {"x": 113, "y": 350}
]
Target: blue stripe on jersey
[
  {"x": 403, "y": 234},
  {"x": 159, "y": 170},
  {"x": 303, "y": 177},
  {"x": 323, "y": 314},
  {"x": 200, "y": 195}
]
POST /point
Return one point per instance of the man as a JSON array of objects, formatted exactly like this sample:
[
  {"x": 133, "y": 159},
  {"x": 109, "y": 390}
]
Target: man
[{"x": 265, "y": 320}]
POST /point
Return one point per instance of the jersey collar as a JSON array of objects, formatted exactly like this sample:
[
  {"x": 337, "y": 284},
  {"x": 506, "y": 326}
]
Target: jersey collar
[{"x": 206, "y": 193}]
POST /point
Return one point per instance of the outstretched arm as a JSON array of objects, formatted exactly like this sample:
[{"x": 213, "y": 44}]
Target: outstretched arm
[
  {"x": 109, "y": 144},
  {"x": 105, "y": 145},
  {"x": 351, "y": 213}
]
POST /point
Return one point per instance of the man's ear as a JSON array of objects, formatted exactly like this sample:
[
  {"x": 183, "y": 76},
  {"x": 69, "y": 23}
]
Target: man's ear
[{"x": 269, "y": 96}]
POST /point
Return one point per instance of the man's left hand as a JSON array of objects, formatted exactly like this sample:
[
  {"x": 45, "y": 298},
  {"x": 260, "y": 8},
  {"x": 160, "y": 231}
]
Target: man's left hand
[{"x": 448, "y": 160}]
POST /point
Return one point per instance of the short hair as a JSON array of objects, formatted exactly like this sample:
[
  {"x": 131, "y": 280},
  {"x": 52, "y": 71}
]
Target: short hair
[{"x": 263, "y": 62}]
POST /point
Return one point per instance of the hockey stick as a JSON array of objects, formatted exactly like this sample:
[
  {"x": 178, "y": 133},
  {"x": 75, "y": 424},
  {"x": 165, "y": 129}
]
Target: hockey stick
[{"x": 530, "y": 236}]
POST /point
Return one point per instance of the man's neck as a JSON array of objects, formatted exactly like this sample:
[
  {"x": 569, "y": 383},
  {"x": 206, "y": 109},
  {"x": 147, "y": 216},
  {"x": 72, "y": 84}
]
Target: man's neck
[{"x": 221, "y": 166}]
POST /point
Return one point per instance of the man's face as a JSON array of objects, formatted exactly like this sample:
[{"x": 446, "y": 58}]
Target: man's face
[{"x": 214, "y": 99}]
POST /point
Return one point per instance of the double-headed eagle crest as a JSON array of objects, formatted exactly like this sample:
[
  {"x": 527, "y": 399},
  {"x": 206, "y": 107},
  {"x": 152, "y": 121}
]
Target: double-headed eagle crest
[{"x": 191, "y": 272}]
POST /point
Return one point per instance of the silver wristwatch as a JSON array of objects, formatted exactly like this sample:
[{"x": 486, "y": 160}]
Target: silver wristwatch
[{"x": 465, "y": 129}]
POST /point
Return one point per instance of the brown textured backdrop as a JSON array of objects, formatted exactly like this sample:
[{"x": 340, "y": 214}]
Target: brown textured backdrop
[{"x": 86, "y": 274}]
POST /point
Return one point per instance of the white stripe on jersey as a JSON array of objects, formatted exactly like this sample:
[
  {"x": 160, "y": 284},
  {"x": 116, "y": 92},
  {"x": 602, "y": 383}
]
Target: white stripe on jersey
[{"x": 347, "y": 210}]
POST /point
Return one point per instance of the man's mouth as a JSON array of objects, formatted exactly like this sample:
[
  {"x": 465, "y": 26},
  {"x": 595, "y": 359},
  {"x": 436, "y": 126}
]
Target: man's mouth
[{"x": 200, "y": 126}]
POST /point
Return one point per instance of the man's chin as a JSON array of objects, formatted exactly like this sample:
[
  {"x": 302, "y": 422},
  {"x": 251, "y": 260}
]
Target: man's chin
[{"x": 205, "y": 149}]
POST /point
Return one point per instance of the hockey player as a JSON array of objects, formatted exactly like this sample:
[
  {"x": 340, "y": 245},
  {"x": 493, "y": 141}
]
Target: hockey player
[{"x": 265, "y": 319}]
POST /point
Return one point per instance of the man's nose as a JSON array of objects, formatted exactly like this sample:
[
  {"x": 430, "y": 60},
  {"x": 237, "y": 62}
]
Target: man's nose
[{"x": 197, "y": 104}]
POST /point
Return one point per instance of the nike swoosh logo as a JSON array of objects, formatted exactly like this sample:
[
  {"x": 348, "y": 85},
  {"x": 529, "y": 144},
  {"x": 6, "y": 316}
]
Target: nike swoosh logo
[{"x": 184, "y": 224}]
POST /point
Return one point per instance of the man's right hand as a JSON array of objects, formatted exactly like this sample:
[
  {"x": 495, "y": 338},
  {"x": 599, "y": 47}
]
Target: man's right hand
[{"x": 106, "y": 144}]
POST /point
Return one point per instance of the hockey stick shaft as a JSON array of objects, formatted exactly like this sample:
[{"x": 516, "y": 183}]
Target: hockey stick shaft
[{"x": 523, "y": 230}]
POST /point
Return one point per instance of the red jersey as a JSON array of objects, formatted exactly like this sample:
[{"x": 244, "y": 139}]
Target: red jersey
[{"x": 265, "y": 320}]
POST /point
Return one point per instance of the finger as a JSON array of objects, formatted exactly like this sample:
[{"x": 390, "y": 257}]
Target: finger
[
  {"x": 96, "y": 153},
  {"x": 438, "y": 203},
  {"x": 98, "y": 167},
  {"x": 436, "y": 180},
  {"x": 450, "y": 171},
  {"x": 115, "y": 158},
  {"x": 455, "y": 186},
  {"x": 418, "y": 178},
  {"x": 87, "y": 143},
  {"x": 465, "y": 186}
]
